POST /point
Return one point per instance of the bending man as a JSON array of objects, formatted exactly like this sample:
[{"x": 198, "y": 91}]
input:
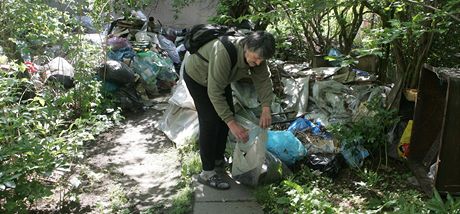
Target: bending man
[{"x": 209, "y": 85}]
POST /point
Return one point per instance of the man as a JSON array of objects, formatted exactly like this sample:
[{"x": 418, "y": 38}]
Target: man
[{"x": 209, "y": 86}]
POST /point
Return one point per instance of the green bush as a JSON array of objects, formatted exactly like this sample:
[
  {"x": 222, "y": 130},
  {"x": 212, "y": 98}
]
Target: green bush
[
  {"x": 43, "y": 128},
  {"x": 43, "y": 133},
  {"x": 370, "y": 130}
]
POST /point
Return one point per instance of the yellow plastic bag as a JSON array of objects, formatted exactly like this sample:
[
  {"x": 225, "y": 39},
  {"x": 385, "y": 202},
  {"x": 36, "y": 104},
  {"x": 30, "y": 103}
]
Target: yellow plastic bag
[{"x": 403, "y": 147}]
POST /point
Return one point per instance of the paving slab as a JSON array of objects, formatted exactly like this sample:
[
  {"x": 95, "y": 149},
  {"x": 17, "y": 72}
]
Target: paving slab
[
  {"x": 227, "y": 208},
  {"x": 237, "y": 192},
  {"x": 238, "y": 199}
]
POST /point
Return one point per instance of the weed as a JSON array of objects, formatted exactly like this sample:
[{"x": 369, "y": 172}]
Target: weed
[
  {"x": 118, "y": 201},
  {"x": 449, "y": 206},
  {"x": 182, "y": 202},
  {"x": 369, "y": 131},
  {"x": 370, "y": 178}
]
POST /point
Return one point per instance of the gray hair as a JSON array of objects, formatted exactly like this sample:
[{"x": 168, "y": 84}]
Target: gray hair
[{"x": 261, "y": 42}]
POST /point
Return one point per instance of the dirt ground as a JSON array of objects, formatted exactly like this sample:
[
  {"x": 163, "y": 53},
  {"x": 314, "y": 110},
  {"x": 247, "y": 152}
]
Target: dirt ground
[{"x": 132, "y": 167}]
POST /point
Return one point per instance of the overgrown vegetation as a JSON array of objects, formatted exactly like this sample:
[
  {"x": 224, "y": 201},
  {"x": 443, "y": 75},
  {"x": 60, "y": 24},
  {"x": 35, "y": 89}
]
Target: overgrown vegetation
[
  {"x": 385, "y": 190},
  {"x": 43, "y": 127},
  {"x": 370, "y": 130},
  {"x": 371, "y": 188}
]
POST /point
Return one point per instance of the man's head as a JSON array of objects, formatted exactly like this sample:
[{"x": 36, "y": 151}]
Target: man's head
[{"x": 258, "y": 46}]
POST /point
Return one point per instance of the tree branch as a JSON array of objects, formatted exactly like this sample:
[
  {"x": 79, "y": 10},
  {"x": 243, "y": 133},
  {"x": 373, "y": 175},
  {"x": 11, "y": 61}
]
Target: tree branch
[{"x": 433, "y": 8}]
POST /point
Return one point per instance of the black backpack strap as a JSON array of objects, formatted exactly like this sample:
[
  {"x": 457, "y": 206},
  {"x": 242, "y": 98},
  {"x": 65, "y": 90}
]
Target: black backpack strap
[{"x": 231, "y": 50}]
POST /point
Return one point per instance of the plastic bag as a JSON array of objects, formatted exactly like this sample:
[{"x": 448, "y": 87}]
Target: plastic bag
[
  {"x": 285, "y": 146},
  {"x": 273, "y": 169},
  {"x": 143, "y": 67},
  {"x": 121, "y": 54},
  {"x": 116, "y": 72},
  {"x": 116, "y": 43},
  {"x": 354, "y": 155},
  {"x": 248, "y": 157},
  {"x": 403, "y": 147},
  {"x": 169, "y": 46},
  {"x": 179, "y": 124},
  {"x": 180, "y": 94},
  {"x": 327, "y": 164}
]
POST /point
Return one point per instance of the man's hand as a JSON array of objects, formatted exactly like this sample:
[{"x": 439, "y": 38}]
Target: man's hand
[
  {"x": 238, "y": 131},
  {"x": 265, "y": 117}
]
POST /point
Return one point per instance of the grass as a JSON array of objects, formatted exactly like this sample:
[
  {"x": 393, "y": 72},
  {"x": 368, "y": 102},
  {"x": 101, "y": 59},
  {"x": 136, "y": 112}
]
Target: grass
[
  {"x": 366, "y": 190},
  {"x": 118, "y": 201}
]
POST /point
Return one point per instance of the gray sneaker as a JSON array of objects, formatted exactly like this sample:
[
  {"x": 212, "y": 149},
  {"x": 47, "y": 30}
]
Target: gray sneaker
[{"x": 215, "y": 182}]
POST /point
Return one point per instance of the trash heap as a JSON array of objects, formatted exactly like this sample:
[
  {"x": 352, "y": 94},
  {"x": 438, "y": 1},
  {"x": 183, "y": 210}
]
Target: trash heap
[
  {"x": 142, "y": 59},
  {"x": 308, "y": 101}
]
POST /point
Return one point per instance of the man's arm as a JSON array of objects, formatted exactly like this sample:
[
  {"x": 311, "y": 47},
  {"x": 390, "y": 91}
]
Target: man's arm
[
  {"x": 264, "y": 88},
  {"x": 218, "y": 78}
]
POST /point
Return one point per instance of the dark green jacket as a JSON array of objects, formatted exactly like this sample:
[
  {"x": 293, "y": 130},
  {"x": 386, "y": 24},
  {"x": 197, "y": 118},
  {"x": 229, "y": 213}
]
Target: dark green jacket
[{"x": 217, "y": 75}]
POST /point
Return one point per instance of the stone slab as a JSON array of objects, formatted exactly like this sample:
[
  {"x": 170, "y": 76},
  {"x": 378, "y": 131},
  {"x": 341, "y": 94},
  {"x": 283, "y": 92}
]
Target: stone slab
[
  {"x": 237, "y": 192},
  {"x": 250, "y": 207}
]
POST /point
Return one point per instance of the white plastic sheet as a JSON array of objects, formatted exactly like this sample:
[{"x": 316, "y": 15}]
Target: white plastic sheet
[
  {"x": 329, "y": 96},
  {"x": 181, "y": 96},
  {"x": 297, "y": 91},
  {"x": 180, "y": 124},
  {"x": 246, "y": 94},
  {"x": 180, "y": 120}
]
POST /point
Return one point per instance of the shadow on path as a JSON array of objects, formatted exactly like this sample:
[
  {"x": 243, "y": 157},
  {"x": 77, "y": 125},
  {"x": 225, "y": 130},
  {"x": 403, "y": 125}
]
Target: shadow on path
[{"x": 135, "y": 157}]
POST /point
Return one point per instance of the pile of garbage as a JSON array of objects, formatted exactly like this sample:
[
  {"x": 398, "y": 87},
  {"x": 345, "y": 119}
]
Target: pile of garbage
[
  {"x": 143, "y": 59},
  {"x": 311, "y": 100}
]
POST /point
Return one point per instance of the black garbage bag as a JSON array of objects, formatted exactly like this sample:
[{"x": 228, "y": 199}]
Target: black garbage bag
[
  {"x": 273, "y": 170},
  {"x": 66, "y": 81},
  {"x": 116, "y": 72},
  {"x": 328, "y": 164},
  {"x": 128, "y": 99}
]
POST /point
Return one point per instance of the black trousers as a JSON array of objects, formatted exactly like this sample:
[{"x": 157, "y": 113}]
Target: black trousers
[{"x": 213, "y": 130}]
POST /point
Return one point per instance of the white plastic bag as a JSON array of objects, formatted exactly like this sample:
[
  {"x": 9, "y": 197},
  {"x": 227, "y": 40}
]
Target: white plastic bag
[{"x": 248, "y": 158}]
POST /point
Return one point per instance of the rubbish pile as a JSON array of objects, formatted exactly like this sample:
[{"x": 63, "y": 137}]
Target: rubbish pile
[
  {"x": 143, "y": 59},
  {"x": 311, "y": 99}
]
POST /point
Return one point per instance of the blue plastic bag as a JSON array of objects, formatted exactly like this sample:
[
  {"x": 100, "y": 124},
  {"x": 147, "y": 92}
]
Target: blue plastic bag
[
  {"x": 354, "y": 155},
  {"x": 302, "y": 124},
  {"x": 285, "y": 146},
  {"x": 299, "y": 125}
]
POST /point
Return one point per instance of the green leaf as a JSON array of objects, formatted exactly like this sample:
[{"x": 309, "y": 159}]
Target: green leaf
[
  {"x": 282, "y": 200},
  {"x": 40, "y": 100}
]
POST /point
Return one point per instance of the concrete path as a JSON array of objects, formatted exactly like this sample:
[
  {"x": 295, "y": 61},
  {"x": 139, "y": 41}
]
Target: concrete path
[
  {"x": 238, "y": 199},
  {"x": 137, "y": 158},
  {"x": 143, "y": 162}
]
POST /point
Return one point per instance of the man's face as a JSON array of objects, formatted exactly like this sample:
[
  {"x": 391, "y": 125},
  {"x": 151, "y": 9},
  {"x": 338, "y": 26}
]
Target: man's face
[{"x": 252, "y": 58}]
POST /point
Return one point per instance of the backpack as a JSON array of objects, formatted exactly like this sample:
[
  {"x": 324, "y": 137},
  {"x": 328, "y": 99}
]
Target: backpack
[{"x": 201, "y": 34}]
